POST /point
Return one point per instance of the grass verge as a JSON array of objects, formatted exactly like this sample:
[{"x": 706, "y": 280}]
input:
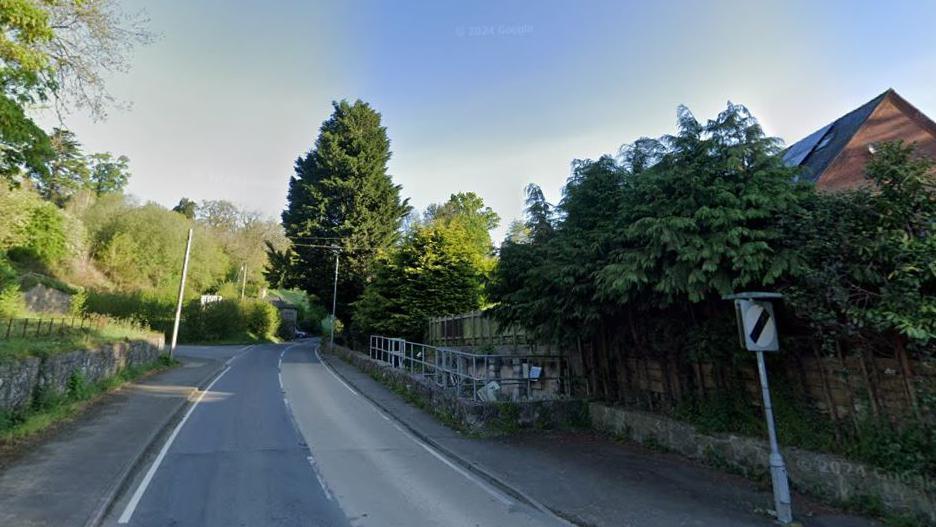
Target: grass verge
[
  {"x": 18, "y": 347},
  {"x": 50, "y": 409}
]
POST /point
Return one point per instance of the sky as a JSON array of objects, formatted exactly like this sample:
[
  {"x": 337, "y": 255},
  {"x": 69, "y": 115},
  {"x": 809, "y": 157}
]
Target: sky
[{"x": 483, "y": 96}]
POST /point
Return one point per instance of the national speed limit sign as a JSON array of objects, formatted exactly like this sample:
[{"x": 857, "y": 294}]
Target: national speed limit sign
[{"x": 758, "y": 325}]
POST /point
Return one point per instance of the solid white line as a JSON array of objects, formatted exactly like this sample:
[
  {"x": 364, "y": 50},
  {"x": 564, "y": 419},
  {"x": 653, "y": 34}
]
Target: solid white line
[
  {"x": 484, "y": 486},
  {"x": 141, "y": 489},
  {"x": 335, "y": 375}
]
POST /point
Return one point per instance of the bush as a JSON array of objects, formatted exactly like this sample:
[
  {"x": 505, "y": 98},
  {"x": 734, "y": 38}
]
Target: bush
[
  {"x": 214, "y": 321},
  {"x": 262, "y": 318},
  {"x": 11, "y": 301}
]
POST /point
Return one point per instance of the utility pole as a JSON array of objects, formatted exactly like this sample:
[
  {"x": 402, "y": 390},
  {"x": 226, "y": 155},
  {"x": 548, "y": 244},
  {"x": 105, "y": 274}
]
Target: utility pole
[
  {"x": 334, "y": 301},
  {"x": 178, "y": 311},
  {"x": 244, "y": 283}
]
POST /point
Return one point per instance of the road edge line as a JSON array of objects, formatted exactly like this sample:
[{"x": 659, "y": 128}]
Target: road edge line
[
  {"x": 474, "y": 468},
  {"x": 132, "y": 468}
]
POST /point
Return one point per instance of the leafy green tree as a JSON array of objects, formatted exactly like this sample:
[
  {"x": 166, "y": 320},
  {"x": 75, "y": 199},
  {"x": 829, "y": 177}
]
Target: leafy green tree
[
  {"x": 342, "y": 196},
  {"x": 24, "y": 148},
  {"x": 439, "y": 268},
  {"x": 701, "y": 222},
  {"x": 656, "y": 234},
  {"x": 466, "y": 213},
  {"x": 869, "y": 256},
  {"x": 108, "y": 175},
  {"x": 429, "y": 275},
  {"x": 187, "y": 208}
]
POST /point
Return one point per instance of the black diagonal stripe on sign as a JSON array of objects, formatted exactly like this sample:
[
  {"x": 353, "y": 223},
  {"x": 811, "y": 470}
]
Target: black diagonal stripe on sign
[{"x": 759, "y": 325}]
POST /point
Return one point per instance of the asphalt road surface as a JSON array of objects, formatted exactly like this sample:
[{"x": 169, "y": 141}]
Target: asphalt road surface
[{"x": 279, "y": 440}]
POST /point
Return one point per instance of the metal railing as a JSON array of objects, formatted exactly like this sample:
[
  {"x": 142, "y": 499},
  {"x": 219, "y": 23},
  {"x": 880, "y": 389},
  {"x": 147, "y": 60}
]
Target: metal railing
[
  {"x": 53, "y": 326},
  {"x": 474, "y": 376}
]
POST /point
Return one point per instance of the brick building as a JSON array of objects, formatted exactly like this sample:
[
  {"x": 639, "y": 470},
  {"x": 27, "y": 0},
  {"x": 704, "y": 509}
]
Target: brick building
[{"x": 834, "y": 156}]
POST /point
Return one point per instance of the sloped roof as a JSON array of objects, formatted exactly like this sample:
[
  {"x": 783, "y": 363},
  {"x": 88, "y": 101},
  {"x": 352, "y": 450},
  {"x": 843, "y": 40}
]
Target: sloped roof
[{"x": 817, "y": 150}]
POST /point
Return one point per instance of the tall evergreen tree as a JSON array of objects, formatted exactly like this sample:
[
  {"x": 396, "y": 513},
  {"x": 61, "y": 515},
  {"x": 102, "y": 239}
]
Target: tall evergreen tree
[{"x": 342, "y": 196}]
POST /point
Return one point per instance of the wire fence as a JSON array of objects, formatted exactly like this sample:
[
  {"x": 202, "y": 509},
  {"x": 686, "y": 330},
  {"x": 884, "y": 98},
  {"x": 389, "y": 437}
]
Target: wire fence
[
  {"x": 57, "y": 326},
  {"x": 475, "y": 376}
]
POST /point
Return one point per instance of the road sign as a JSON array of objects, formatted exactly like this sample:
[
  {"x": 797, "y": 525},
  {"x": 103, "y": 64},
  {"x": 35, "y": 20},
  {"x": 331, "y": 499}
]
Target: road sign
[{"x": 758, "y": 325}]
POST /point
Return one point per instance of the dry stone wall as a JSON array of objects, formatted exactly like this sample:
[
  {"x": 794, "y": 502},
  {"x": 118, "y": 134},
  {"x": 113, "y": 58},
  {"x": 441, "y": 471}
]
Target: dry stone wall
[{"x": 21, "y": 380}]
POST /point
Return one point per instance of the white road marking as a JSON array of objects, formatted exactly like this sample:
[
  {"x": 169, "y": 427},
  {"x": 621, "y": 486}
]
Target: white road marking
[
  {"x": 496, "y": 494},
  {"x": 320, "y": 479},
  {"x": 335, "y": 375},
  {"x": 141, "y": 489}
]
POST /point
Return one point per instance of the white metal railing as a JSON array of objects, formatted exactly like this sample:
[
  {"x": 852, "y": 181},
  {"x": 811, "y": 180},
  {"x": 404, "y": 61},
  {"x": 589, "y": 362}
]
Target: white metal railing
[{"x": 474, "y": 376}]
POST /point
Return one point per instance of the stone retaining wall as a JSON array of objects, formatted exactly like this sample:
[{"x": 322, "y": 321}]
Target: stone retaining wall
[
  {"x": 21, "y": 380},
  {"x": 472, "y": 416},
  {"x": 825, "y": 476}
]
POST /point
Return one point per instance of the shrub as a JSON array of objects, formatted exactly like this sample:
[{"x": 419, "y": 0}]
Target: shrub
[
  {"x": 11, "y": 301},
  {"x": 262, "y": 318},
  {"x": 214, "y": 321}
]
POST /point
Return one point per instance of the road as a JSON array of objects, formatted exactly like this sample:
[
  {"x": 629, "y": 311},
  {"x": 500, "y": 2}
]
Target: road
[{"x": 278, "y": 439}]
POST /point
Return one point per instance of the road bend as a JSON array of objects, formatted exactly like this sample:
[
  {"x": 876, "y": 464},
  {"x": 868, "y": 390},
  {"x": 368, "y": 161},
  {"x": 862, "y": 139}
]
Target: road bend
[{"x": 279, "y": 440}]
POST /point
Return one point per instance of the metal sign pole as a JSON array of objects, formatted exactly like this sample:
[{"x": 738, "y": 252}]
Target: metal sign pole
[
  {"x": 778, "y": 473},
  {"x": 757, "y": 329}
]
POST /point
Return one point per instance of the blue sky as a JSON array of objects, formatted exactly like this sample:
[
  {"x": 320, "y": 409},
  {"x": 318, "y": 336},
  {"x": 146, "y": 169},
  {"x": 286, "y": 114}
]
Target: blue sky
[{"x": 484, "y": 96}]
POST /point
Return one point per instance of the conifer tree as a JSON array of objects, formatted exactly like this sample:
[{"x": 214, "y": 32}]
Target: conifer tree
[{"x": 342, "y": 196}]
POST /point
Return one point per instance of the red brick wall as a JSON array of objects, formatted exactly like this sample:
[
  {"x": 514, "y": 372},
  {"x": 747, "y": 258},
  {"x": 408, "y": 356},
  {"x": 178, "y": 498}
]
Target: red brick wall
[{"x": 893, "y": 119}]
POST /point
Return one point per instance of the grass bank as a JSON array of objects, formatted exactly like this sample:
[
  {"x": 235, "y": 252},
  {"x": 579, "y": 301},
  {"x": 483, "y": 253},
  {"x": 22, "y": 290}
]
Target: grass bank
[{"x": 17, "y": 347}]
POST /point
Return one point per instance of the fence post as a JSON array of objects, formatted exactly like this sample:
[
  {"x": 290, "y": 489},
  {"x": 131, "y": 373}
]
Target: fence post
[{"x": 9, "y": 327}]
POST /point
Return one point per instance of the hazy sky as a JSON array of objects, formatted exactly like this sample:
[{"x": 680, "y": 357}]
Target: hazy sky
[{"x": 484, "y": 96}]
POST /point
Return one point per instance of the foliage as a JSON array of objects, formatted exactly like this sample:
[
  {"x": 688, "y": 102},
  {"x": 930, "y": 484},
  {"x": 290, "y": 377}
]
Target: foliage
[
  {"x": 31, "y": 227},
  {"x": 186, "y": 207},
  {"x": 142, "y": 248},
  {"x": 11, "y": 300},
  {"x": 662, "y": 231},
  {"x": 439, "y": 268},
  {"x": 342, "y": 196},
  {"x": 229, "y": 320},
  {"x": 310, "y": 311},
  {"x": 24, "y": 147},
  {"x": 261, "y": 318},
  {"x": 108, "y": 175},
  {"x": 214, "y": 321},
  {"x": 66, "y": 47},
  {"x": 142, "y": 306}
]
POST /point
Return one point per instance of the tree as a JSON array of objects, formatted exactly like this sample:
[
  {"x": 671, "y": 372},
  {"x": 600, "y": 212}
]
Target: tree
[
  {"x": 65, "y": 48},
  {"x": 90, "y": 40},
  {"x": 108, "y": 175},
  {"x": 342, "y": 196},
  {"x": 466, "y": 212},
  {"x": 24, "y": 148},
  {"x": 439, "y": 268},
  {"x": 868, "y": 255},
  {"x": 68, "y": 169},
  {"x": 186, "y": 207}
]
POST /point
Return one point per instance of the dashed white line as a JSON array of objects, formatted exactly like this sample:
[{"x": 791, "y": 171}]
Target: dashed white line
[
  {"x": 141, "y": 489},
  {"x": 321, "y": 480}
]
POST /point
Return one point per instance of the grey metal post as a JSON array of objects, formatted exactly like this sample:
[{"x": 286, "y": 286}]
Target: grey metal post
[
  {"x": 778, "y": 473},
  {"x": 331, "y": 344},
  {"x": 178, "y": 312}
]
